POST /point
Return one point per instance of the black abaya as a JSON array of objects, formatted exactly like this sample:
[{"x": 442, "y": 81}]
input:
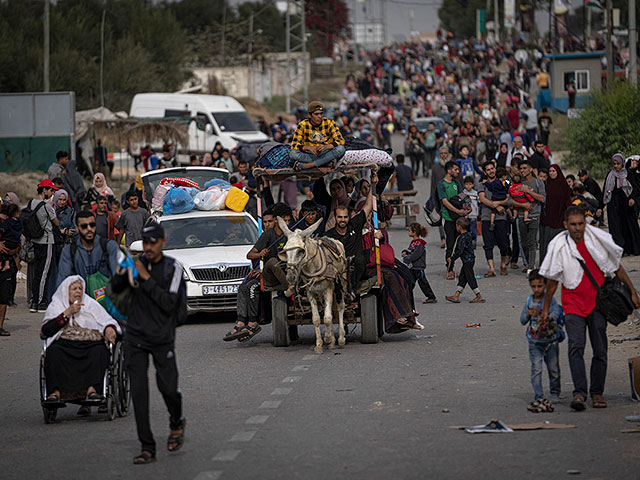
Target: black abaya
[{"x": 623, "y": 222}]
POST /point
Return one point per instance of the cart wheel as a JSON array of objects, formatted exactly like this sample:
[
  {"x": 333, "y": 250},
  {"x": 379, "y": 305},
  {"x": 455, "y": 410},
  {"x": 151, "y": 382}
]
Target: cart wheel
[
  {"x": 369, "y": 318},
  {"x": 49, "y": 415},
  {"x": 279, "y": 322},
  {"x": 111, "y": 407}
]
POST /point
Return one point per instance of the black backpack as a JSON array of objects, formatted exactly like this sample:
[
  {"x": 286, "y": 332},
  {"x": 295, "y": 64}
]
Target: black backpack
[{"x": 32, "y": 229}]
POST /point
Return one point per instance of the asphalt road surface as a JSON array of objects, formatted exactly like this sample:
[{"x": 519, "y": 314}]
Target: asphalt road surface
[{"x": 379, "y": 411}]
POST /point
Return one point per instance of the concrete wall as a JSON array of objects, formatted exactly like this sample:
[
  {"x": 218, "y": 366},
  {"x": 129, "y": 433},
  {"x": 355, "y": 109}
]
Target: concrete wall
[{"x": 266, "y": 77}]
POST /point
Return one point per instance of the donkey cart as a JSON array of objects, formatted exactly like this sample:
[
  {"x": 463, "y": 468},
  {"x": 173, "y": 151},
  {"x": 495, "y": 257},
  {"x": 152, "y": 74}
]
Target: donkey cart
[{"x": 306, "y": 258}]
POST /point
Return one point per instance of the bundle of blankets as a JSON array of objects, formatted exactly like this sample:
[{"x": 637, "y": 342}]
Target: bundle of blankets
[{"x": 274, "y": 155}]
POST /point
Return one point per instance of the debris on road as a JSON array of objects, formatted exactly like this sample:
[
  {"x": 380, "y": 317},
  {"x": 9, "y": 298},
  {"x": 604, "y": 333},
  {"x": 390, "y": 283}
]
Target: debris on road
[
  {"x": 445, "y": 410},
  {"x": 426, "y": 336},
  {"x": 468, "y": 325},
  {"x": 630, "y": 430},
  {"x": 573, "y": 472},
  {"x": 632, "y": 418},
  {"x": 622, "y": 340},
  {"x": 522, "y": 426},
  {"x": 494, "y": 426}
]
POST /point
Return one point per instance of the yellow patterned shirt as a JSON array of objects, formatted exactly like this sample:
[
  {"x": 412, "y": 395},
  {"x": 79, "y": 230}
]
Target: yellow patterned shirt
[{"x": 307, "y": 135}]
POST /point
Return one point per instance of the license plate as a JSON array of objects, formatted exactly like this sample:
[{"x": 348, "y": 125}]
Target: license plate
[{"x": 219, "y": 289}]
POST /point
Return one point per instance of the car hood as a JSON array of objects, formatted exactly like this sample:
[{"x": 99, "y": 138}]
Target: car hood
[{"x": 203, "y": 256}]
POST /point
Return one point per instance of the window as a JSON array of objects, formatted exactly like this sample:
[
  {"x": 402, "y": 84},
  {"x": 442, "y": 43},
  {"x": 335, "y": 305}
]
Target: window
[
  {"x": 177, "y": 113},
  {"x": 201, "y": 121},
  {"x": 581, "y": 79},
  {"x": 234, "y": 121}
]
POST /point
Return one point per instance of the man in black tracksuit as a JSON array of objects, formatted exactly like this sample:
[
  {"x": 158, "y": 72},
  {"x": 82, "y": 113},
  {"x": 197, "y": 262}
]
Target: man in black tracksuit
[{"x": 159, "y": 303}]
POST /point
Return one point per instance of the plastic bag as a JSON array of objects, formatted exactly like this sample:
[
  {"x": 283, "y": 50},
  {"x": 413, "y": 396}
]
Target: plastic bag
[
  {"x": 217, "y": 182},
  {"x": 191, "y": 191},
  {"x": 158, "y": 196},
  {"x": 177, "y": 201},
  {"x": 211, "y": 199}
]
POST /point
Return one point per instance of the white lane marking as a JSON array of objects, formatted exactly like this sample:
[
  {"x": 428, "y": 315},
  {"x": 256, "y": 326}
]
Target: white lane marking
[
  {"x": 243, "y": 436},
  {"x": 282, "y": 391},
  {"x": 291, "y": 379},
  {"x": 226, "y": 455},
  {"x": 300, "y": 368},
  {"x": 257, "y": 419},
  {"x": 271, "y": 404},
  {"x": 210, "y": 475},
  {"x": 310, "y": 357}
]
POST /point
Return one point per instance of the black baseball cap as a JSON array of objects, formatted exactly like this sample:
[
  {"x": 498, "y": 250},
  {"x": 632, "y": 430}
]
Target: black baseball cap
[{"x": 153, "y": 231}]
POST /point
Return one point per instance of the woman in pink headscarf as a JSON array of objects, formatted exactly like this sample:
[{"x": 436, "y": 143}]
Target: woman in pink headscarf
[{"x": 99, "y": 188}]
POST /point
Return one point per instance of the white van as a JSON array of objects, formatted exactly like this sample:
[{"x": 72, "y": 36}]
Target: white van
[{"x": 216, "y": 118}]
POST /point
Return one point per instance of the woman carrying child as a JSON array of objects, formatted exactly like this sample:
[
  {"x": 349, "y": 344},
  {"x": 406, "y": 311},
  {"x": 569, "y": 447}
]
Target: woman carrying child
[{"x": 416, "y": 259}]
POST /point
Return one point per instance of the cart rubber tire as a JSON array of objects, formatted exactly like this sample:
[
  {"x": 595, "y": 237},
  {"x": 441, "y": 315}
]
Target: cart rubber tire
[
  {"x": 369, "y": 318},
  {"x": 279, "y": 321}
]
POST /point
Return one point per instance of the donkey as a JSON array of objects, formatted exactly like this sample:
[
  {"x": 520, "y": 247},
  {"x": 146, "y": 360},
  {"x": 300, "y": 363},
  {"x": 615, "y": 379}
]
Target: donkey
[{"x": 320, "y": 267}]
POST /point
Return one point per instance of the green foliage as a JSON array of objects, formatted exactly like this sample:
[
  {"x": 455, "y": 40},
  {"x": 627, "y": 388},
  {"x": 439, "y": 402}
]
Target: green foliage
[
  {"x": 144, "y": 48},
  {"x": 609, "y": 123},
  {"x": 328, "y": 21},
  {"x": 459, "y": 16}
]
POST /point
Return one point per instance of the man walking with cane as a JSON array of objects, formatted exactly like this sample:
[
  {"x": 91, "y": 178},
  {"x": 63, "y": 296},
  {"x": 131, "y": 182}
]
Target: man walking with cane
[{"x": 158, "y": 306}]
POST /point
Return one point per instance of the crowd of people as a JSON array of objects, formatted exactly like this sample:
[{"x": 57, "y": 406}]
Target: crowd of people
[{"x": 468, "y": 122}]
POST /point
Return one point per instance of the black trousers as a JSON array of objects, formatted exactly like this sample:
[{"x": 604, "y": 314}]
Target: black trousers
[
  {"x": 499, "y": 237},
  {"x": 467, "y": 277},
  {"x": 577, "y": 326},
  {"x": 43, "y": 259},
  {"x": 450, "y": 235},
  {"x": 515, "y": 243},
  {"x": 358, "y": 268},
  {"x": 423, "y": 283},
  {"x": 249, "y": 300},
  {"x": 137, "y": 363}
]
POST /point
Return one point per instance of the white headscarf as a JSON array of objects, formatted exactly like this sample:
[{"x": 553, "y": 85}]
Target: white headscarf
[{"x": 91, "y": 315}]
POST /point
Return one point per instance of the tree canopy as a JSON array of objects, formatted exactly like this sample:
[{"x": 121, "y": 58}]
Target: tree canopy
[{"x": 148, "y": 46}]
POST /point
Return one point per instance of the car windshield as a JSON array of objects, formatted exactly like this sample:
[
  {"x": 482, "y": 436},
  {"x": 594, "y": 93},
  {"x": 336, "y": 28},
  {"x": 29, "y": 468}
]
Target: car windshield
[
  {"x": 195, "y": 232},
  {"x": 198, "y": 175},
  {"x": 234, "y": 121}
]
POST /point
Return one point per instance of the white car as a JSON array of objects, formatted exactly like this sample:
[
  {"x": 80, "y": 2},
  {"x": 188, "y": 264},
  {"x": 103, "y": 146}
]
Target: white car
[{"x": 212, "y": 246}]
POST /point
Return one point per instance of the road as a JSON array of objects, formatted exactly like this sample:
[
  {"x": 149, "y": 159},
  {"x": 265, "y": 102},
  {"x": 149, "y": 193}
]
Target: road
[{"x": 360, "y": 412}]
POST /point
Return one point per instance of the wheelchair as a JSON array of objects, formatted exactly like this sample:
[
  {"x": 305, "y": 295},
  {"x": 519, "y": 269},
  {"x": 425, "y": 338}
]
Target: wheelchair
[{"x": 116, "y": 396}]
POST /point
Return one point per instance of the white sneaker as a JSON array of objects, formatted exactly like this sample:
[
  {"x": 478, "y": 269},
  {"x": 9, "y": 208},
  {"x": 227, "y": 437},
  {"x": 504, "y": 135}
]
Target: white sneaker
[{"x": 418, "y": 325}]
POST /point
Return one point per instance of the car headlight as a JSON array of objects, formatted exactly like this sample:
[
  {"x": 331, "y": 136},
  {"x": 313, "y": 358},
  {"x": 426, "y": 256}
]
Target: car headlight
[{"x": 185, "y": 275}]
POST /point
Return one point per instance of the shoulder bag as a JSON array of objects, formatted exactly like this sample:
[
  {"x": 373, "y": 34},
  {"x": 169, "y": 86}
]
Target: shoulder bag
[{"x": 614, "y": 298}]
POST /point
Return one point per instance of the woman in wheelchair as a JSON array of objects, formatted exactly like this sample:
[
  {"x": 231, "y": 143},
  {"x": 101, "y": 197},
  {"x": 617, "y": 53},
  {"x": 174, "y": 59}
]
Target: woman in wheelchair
[{"x": 75, "y": 329}]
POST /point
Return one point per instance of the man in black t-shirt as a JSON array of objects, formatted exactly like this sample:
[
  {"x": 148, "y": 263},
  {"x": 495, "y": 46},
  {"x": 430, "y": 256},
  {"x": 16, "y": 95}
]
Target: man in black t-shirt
[
  {"x": 270, "y": 243},
  {"x": 537, "y": 159},
  {"x": 404, "y": 175},
  {"x": 349, "y": 233}
]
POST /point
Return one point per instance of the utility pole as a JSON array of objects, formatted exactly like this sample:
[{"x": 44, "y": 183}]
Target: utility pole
[
  {"x": 297, "y": 32},
  {"x": 249, "y": 65},
  {"x": 588, "y": 22},
  {"x": 104, "y": 13},
  {"x": 633, "y": 58},
  {"x": 551, "y": 24},
  {"x": 609, "y": 11},
  {"x": 496, "y": 22},
  {"x": 46, "y": 46},
  {"x": 224, "y": 28}
]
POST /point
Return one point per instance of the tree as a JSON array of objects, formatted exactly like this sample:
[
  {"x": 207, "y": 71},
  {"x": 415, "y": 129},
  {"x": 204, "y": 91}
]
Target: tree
[
  {"x": 328, "y": 21},
  {"x": 608, "y": 124}
]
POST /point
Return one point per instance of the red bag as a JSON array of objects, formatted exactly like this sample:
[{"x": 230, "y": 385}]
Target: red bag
[{"x": 387, "y": 256}]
